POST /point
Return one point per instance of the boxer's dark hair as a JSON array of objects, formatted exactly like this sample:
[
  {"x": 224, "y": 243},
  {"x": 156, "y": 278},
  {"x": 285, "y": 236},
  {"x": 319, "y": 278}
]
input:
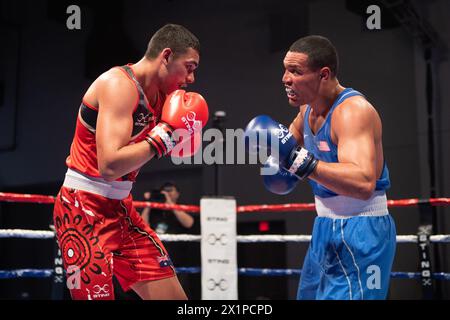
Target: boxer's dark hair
[
  {"x": 172, "y": 36},
  {"x": 321, "y": 52}
]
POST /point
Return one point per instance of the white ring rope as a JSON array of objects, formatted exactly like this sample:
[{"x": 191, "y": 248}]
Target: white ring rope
[
  {"x": 27, "y": 234},
  {"x": 42, "y": 234},
  {"x": 179, "y": 237}
]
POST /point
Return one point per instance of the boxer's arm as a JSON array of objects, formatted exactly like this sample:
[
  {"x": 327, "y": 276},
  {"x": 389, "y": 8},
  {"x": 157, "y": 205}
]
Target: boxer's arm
[
  {"x": 355, "y": 128},
  {"x": 296, "y": 127},
  {"x": 117, "y": 98}
]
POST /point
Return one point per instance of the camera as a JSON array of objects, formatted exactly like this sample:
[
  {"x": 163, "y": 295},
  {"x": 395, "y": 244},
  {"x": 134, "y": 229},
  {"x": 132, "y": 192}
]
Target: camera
[{"x": 157, "y": 196}]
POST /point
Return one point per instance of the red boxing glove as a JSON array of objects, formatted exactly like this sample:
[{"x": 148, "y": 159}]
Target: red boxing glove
[{"x": 183, "y": 111}]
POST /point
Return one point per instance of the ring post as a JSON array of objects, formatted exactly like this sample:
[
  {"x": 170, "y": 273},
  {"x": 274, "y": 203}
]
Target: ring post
[{"x": 219, "y": 248}]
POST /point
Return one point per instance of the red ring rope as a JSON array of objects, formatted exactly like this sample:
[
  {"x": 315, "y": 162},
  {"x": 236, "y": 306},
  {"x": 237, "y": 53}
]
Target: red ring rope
[{"x": 30, "y": 198}]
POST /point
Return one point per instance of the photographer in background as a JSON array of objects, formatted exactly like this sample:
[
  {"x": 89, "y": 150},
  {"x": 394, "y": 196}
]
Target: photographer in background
[
  {"x": 167, "y": 221},
  {"x": 183, "y": 254}
]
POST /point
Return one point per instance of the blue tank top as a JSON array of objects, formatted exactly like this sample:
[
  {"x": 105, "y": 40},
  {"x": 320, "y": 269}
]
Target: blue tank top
[{"x": 324, "y": 149}]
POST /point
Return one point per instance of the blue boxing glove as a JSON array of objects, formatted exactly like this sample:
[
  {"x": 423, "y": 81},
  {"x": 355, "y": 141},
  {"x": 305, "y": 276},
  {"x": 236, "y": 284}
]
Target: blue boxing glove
[
  {"x": 265, "y": 133},
  {"x": 282, "y": 182}
]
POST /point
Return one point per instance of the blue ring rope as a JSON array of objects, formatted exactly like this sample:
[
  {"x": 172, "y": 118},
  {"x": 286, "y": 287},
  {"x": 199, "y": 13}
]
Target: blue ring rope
[{"x": 255, "y": 272}]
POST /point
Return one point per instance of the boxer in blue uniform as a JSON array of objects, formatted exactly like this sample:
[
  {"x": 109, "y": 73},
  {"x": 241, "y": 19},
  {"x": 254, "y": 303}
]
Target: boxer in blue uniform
[{"x": 336, "y": 143}]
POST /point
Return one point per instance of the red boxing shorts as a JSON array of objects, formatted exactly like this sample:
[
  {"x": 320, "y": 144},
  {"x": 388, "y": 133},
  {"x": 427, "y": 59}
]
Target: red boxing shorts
[{"x": 101, "y": 237}]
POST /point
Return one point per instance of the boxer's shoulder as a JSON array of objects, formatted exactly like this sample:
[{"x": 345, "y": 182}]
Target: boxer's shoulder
[
  {"x": 114, "y": 77},
  {"x": 355, "y": 114},
  {"x": 115, "y": 84},
  {"x": 354, "y": 108}
]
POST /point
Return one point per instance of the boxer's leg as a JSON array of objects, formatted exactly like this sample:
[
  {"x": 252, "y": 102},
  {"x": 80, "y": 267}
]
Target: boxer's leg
[
  {"x": 164, "y": 289},
  {"x": 312, "y": 276},
  {"x": 142, "y": 263},
  {"x": 369, "y": 251},
  {"x": 87, "y": 260},
  {"x": 361, "y": 261}
]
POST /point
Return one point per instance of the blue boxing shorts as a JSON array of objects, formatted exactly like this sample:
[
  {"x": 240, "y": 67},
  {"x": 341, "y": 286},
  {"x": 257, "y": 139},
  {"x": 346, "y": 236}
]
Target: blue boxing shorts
[{"x": 351, "y": 254}]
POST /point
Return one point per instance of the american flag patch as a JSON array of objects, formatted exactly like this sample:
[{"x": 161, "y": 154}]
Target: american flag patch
[
  {"x": 164, "y": 261},
  {"x": 323, "y": 146}
]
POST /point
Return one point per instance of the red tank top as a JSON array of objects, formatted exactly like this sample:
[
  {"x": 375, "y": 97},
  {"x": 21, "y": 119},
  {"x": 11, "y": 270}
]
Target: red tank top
[{"x": 83, "y": 151}]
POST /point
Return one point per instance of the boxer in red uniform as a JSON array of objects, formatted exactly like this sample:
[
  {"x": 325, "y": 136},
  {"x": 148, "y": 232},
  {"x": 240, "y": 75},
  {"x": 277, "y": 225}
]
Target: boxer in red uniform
[{"x": 128, "y": 116}]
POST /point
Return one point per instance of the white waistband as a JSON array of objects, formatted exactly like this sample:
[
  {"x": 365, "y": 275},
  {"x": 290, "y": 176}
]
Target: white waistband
[
  {"x": 117, "y": 190},
  {"x": 342, "y": 207}
]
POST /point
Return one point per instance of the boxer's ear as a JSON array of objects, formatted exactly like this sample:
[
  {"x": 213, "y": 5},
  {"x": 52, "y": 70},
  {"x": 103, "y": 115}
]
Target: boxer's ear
[{"x": 166, "y": 55}]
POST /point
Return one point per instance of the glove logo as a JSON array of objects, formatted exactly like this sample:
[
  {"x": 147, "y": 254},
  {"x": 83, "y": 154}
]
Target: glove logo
[
  {"x": 281, "y": 131},
  {"x": 191, "y": 123}
]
